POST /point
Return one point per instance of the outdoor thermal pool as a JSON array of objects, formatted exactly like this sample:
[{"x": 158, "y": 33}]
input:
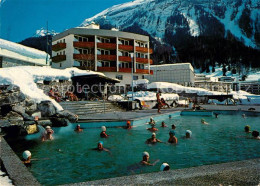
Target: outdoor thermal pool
[{"x": 69, "y": 158}]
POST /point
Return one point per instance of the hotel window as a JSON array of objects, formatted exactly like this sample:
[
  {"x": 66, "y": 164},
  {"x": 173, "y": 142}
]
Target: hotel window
[
  {"x": 60, "y": 64},
  {"x": 63, "y": 40},
  {"x": 120, "y": 77},
  {"x": 103, "y": 52},
  {"x": 135, "y": 77}
]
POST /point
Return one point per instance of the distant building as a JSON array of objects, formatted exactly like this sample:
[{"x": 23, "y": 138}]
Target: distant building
[
  {"x": 227, "y": 79},
  {"x": 251, "y": 87},
  {"x": 212, "y": 83},
  {"x": 180, "y": 73},
  {"x": 13, "y": 54},
  {"x": 107, "y": 51}
]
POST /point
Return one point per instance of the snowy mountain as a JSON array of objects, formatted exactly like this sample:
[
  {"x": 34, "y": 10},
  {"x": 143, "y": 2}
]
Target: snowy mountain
[
  {"x": 163, "y": 19},
  {"x": 43, "y": 32}
]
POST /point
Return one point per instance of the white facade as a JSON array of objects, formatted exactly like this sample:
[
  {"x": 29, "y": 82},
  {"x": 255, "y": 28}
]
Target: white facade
[
  {"x": 125, "y": 78},
  {"x": 180, "y": 73},
  {"x": 13, "y": 54}
]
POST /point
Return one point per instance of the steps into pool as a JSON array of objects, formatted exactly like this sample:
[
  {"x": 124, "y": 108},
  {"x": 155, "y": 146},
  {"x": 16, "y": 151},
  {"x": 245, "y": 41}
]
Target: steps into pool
[
  {"x": 196, "y": 113},
  {"x": 83, "y": 108}
]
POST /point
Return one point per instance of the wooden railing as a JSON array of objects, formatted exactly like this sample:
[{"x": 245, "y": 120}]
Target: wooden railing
[
  {"x": 87, "y": 57},
  {"x": 83, "y": 44},
  {"x": 106, "y": 69},
  {"x": 109, "y": 46},
  {"x": 142, "y": 71},
  {"x": 107, "y": 57},
  {"x": 58, "y": 46},
  {"x": 58, "y": 58},
  {"x": 126, "y": 47},
  {"x": 125, "y": 70},
  {"x": 125, "y": 58}
]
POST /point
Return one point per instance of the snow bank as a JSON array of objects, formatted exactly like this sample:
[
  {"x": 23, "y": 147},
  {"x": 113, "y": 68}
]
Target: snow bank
[
  {"x": 172, "y": 87},
  {"x": 22, "y": 50},
  {"x": 4, "y": 179},
  {"x": 151, "y": 96},
  {"x": 26, "y": 76},
  {"x": 115, "y": 98},
  {"x": 140, "y": 81}
]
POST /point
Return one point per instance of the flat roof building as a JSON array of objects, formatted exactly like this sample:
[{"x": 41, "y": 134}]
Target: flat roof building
[
  {"x": 180, "y": 73},
  {"x": 13, "y": 54},
  {"x": 109, "y": 51}
]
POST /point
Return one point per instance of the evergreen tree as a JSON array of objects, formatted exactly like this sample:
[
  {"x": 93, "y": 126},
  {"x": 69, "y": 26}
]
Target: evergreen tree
[
  {"x": 213, "y": 69},
  {"x": 224, "y": 70},
  {"x": 234, "y": 71}
]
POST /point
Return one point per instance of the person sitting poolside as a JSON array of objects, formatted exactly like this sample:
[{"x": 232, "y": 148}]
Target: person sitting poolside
[
  {"x": 100, "y": 147},
  {"x": 255, "y": 135},
  {"x": 27, "y": 157},
  {"x": 78, "y": 129},
  {"x": 165, "y": 167},
  {"x": 172, "y": 138},
  {"x": 204, "y": 122},
  {"x": 247, "y": 129},
  {"x": 163, "y": 124},
  {"x": 151, "y": 122},
  {"x": 153, "y": 129},
  {"x": 103, "y": 134},
  {"x": 173, "y": 127},
  {"x": 48, "y": 134},
  {"x": 188, "y": 134},
  {"x": 153, "y": 139}
]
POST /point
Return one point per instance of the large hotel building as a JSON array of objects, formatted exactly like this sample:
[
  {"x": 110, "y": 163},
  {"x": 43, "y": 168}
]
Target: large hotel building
[{"x": 109, "y": 51}]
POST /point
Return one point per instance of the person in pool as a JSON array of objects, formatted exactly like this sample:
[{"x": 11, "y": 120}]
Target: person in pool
[
  {"x": 165, "y": 167},
  {"x": 152, "y": 129},
  {"x": 173, "y": 127},
  {"x": 100, "y": 147},
  {"x": 78, "y": 129},
  {"x": 153, "y": 139},
  {"x": 146, "y": 161},
  {"x": 216, "y": 115},
  {"x": 172, "y": 138},
  {"x": 163, "y": 124},
  {"x": 152, "y": 122},
  {"x": 188, "y": 134},
  {"x": 128, "y": 125},
  {"x": 204, "y": 122},
  {"x": 27, "y": 157},
  {"x": 255, "y": 135},
  {"x": 48, "y": 134},
  {"x": 247, "y": 129},
  {"x": 103, "y": 134},
  {"x": 243, "y": 116}
]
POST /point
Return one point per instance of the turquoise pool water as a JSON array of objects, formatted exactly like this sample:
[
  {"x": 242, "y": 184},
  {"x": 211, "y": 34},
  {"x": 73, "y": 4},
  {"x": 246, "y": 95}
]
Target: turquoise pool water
[{"x": 71, "y": 159}]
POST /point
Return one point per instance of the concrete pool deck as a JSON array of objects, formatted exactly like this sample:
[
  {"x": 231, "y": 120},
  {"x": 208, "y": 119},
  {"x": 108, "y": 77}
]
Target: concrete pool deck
[{"x": 123, "y": 116}]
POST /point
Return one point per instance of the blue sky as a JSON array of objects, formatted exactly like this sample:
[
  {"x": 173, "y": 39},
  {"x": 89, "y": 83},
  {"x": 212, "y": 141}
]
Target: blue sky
[{"x": 19, "y": 19}]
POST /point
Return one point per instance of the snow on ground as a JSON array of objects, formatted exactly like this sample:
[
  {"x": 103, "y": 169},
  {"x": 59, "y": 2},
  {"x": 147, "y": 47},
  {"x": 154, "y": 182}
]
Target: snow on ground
[
  {"x": 4, "y": 179},
  {"x": 115, "y": 98},
  {"x": 140, "y": 81},
  {"x": 23, "y": 50},
  {"x": 173, "y": 87},
  {"x": 26, "y": 76},
  {"x": 151, "y": 96}
]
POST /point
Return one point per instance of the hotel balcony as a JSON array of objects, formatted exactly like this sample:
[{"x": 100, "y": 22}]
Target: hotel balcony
[
  {"x": 106, "y": 57},
  {"x": 128, "y": 48},
  {"x": 108, "y": 46},
  {"x": 143, "y": 50},
  {"x": 83, "y": 44},
  {"x": 125, "y": 58},
  {"x": 129, "y": 70},
  {"x": 142, "y": 71},
  {"x": 87, "y": 57},
  {"x": 144, "y": 60},
  {"x": 106, "y": 69},
  {"x": 58, "y": 58},
  {"x": 58, "y": 46}
]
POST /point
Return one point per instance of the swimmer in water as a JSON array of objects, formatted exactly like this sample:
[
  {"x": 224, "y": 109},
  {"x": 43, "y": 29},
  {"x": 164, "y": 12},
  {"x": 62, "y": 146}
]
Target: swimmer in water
[
  {"x": 128, "y": 125},
  {"x": 170, "y": 116},
  {"x": 173, "y": 127},
  {"x": 153, "y": 139},
  {"x": 146, "y": 161},
  {"x": 47, "y": 134},
  {"x": 163, "y": 124},
  {"x": 255, "y": 135},
  {"x": 27, "y": 157},
  {"x": 100, "y": 147},
  {"x": 243, "y": 116},
  {"x": 78, "y": 129},
  {"x": 103, "y": 134},
  {"x": 152, "y": 122},
  {"x": 165, "y": 167},
  {"x": 247, "y": 129},
  {"x": 216, "y": 115},
  {"x": 188, "y": 134},
  {"x": 172, "y": 138},
  {"x": 204, "y": 122},
  {"x": 153, "y": 129}
]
